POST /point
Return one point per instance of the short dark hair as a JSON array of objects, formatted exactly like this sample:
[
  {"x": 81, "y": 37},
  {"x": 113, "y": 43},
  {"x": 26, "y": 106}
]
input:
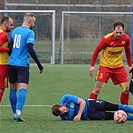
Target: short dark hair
[
  {"x": 4, "y": 19},
  {"x": 118, "y": 24},
  {"x": 55, "y": 109}
]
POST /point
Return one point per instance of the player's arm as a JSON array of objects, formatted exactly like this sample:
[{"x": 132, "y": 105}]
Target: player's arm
[
  {"x": 131, "y": 81},
  {"x": 34, "y": 56},
  {"x": 128, "y": 54},
  {"x": 82, "y": 104},
  {"x": 129, "y": 60},
  {"x": 100, "y": 46},
  {"x": 129, "y": 57}
]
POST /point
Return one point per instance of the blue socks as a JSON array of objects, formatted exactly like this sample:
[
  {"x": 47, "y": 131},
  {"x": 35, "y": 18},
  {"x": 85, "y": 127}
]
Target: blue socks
[
  {"x": 125, "y": 108},
  {"x": 13, "y": 99},
  {"x": 17, "y": 103},
  {"x": 129, "y": 117},
  {"x": 21, "y": 99}
]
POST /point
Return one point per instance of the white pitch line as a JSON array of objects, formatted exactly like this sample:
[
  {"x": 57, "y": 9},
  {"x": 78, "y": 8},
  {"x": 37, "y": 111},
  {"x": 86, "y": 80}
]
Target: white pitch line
[
  {"x": 38, "y": 105},
  {"x": 29, "y": 105}
]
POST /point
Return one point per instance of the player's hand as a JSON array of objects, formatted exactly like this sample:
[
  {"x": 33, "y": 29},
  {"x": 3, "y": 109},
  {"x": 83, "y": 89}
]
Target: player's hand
[
  {"x": 92, "y": 70},
  {"x": 41, "y": 68},
  {"x": 41, "y": 71},
  {"x": 77, "y": 118}
]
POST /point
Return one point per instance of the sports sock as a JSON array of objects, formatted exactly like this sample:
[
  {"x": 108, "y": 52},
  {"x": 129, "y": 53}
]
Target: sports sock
[
  {"x": 13, "y": 99},
  {"x": 18, "y": 112},
  {"x": 125, "y": 108},
  {"x": 124, "y": 98},
  {"x": 129, "y": 117},
  {"x": 1, "y": 94},
  {"x": 93, "y": 96},
  {"x": 21, "y": 99}
]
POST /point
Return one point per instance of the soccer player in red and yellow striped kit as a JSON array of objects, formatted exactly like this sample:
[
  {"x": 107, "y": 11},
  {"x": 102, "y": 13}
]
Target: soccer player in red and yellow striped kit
[
  {"x": 111, "y": 65},
  {"x": 5, "y": 26}
]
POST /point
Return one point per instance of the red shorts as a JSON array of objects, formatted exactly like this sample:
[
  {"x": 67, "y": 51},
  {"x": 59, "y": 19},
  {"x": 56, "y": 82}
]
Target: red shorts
[
  {"x": 3, "y": 76},
  {"x": 118, "y": 75}
]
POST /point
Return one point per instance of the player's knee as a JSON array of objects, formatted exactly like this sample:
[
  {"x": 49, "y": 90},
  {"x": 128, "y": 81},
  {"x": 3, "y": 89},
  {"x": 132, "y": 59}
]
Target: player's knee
[
  {"x": 98, "y": 86},
  {"x": 97, "y": 90},
  {"x": 125, "y": 87},
  {"x": 126, "y": 92}
]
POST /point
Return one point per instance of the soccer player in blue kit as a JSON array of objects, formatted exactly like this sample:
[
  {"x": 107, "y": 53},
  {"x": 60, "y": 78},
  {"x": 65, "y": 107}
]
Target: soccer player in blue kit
[
  {"x": 74, "y": 108},
  {"x": 21, "y": 41}
]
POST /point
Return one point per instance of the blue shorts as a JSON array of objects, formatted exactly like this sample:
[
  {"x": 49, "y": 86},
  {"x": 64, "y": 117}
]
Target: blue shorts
[
  {"x": 18, "y": 74},
  {"x": 96, "y": 110}
]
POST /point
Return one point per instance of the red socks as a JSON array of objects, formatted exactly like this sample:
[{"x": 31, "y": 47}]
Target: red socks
[
  {"x": 93, "y": 96},
  {"x": 1, "y": 94},
  {"x": 124, "y": 98}
]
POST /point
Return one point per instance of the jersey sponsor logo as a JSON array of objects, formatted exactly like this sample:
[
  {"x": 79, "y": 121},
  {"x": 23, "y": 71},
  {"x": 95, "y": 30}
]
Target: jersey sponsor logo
[{"x": 114, "y": 53}]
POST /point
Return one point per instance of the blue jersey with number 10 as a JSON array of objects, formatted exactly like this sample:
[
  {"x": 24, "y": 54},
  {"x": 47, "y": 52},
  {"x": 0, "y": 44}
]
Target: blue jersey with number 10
[{"x": 20, "y": 37}]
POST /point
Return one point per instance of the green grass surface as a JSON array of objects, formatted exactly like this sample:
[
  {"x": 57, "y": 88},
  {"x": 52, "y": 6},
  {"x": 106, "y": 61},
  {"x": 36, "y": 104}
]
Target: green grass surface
[{"x": 47, "y": 89}]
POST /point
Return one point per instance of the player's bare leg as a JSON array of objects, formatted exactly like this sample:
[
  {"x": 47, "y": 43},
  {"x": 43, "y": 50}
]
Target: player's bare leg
[
  {"x": 98, "y": 86},
  {"x": 1, "y": 93}
]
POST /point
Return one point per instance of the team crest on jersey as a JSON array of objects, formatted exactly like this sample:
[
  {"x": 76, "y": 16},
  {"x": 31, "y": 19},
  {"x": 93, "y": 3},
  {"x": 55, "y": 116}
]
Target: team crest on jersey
[
  {"x": 71, "y": 105},
  {"x": 123, "y": 42}
]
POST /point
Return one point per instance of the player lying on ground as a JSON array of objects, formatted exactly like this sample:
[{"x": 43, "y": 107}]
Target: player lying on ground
[{"x": 75, "y": 108}]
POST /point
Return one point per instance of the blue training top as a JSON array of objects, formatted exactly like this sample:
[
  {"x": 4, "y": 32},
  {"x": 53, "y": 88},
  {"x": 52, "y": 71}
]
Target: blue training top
[
  {"x": 71, "y": 102},
  {"x": 20, "y": 37}
]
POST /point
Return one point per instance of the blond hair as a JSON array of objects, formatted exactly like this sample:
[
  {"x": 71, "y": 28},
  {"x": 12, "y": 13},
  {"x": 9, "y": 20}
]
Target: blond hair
[{"x": 28, "y": 16}]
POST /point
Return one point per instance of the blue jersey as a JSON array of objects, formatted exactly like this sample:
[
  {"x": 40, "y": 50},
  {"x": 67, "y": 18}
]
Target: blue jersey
[
  {"x": 71, "y": 102},
  {"x": 20, "y": 37}
]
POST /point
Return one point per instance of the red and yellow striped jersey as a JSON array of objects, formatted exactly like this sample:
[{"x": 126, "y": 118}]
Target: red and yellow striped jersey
[
  {"x": 3, "y": 47},
  {"x": 112, "y": 51}
]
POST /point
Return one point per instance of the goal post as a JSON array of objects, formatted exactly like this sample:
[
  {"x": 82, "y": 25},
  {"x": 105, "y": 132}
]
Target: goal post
[
  {"x": 81, "y": 32},
  {"x": 44, "y": 31}
]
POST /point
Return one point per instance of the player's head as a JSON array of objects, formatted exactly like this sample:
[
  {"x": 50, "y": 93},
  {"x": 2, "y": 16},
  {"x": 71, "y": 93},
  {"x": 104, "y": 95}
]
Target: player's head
[
  {"x": 7, "y": 23},
  {"x": 59, "y": 109},
  {"x": 29, "y": 20},
  {"x": 118, "y": 29}
]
